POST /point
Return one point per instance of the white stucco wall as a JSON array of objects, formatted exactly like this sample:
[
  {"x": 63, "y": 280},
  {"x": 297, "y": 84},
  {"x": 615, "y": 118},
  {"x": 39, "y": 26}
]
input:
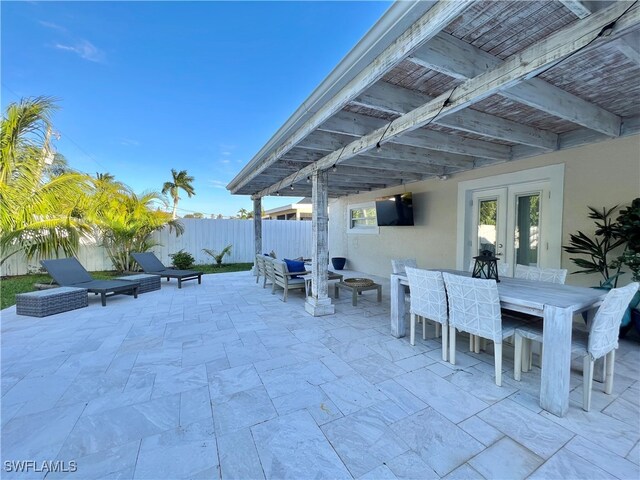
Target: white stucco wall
[{"x": 602, "y": 174}]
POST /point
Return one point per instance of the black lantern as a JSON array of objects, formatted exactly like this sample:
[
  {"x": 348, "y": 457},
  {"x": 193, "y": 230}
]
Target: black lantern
[{"x": 486, "y": 266}]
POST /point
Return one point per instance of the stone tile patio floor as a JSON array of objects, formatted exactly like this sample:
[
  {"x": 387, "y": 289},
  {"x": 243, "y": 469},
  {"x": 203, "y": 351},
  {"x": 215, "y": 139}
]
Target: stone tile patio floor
[{"x": 224, "y": 380}]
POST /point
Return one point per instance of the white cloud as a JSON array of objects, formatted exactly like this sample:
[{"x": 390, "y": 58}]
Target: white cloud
[
  {"x": 53, "y": 26},
  {"x": 218, "y": 184},
  {"x": 127, "y": 142},
  {"x": 84, "y": 49}
]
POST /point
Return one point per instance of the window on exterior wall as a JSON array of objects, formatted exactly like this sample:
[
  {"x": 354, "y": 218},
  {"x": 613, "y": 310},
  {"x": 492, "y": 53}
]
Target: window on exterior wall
[{"x": 362, "y": 218}]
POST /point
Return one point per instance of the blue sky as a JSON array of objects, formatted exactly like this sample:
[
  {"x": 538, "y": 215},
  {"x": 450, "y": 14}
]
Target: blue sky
[{"x": 144, "y": 87}]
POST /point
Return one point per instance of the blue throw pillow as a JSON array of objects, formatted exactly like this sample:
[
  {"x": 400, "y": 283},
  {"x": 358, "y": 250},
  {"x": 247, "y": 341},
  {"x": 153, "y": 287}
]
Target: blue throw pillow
[{"x": 294, "y": 266}]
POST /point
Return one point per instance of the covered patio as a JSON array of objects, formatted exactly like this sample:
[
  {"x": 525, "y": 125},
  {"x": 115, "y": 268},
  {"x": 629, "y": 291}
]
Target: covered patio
[
  {"x": 451, "y": 100},
  {"x": 224, "y": 380}
]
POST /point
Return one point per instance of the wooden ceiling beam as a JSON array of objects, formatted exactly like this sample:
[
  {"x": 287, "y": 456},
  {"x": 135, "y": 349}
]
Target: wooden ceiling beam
[
  {"x": 328, "y": 142},
  {"x": 578, "y": 8},
  {"x": 391, "y": 151},
  {"x": 357, "y": 125},
  {"x": 629, "y": 46},
  {"x": 456, "y": 58},
  {"x": 334, "y": 192},
  {"x": 301, "y": 155},
  {"x": 421, "y": 168},
  {"x": 375, "y": 175},
  {"x": 324, "y": 141},
  {"x": 527, "y": 64},
  {"x": 424, "y": 29},
  {"x": 580, "y": 137},
  {"x": 398, "y": 101}
]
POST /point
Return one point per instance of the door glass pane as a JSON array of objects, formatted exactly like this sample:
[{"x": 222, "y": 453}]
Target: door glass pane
[
  {"x": 527, "y": 234},
  {"x": 487, "y": 221}
]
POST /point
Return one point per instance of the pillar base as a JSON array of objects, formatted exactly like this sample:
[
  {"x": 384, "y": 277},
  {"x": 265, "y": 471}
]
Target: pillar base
[{"x": 319, "y": 307}]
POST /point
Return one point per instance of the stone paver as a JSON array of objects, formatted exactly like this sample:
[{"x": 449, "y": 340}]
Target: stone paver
[{"x": 224, "y": 380}]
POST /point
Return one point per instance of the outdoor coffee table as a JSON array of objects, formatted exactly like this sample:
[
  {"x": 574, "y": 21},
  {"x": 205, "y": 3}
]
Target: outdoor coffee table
[{"x": 357, "y": 286}]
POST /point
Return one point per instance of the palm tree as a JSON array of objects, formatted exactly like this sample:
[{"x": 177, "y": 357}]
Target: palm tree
[
  {"x": 105, "y": 177},
  {"x": 38, "y": 212},
  {"x": 57, "y": 167},
  {"x": 181, "y": 181},
  {"x": 127, "y": 220},
  {"x": 244, "y": 214},
  {"x": 25, "y": 134}
]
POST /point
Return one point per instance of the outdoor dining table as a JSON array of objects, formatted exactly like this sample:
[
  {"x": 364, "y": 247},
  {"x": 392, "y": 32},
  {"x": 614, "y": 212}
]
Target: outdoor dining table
[{"x": 556, "y": 304}]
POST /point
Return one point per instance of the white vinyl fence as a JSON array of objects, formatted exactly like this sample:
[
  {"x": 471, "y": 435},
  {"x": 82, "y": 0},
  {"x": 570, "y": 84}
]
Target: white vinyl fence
[{"x": 287, "y": 238}]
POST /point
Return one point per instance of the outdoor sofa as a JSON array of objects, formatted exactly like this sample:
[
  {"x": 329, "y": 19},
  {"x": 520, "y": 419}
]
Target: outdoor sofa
[{"x": 282, "y": 277}]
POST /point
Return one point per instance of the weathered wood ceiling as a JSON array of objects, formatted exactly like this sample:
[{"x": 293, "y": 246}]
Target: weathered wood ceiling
[{"x": 469, "y": 85}]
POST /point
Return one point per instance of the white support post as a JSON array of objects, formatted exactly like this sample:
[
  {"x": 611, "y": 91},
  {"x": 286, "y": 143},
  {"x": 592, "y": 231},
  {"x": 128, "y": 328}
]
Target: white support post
[
  {"x": 257, "y": 229},
  {"x": 319, "y": 303}
]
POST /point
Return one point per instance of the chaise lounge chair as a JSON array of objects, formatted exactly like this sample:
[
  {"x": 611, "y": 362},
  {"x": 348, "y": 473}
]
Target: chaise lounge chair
[
  {"x": 68, "y": 272},
  {"x": 150, "y": 264}
]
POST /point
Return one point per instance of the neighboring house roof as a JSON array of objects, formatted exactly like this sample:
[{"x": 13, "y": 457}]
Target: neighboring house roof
[
  {"x": 303, "y": 205},
  {"x": 436, "y": 88}
]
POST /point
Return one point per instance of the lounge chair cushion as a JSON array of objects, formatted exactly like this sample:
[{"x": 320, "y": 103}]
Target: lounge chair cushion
[{"x": 294, "y": 266}]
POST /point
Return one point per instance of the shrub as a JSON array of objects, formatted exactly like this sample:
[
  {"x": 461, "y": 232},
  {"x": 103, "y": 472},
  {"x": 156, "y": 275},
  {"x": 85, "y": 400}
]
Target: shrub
[{"x": 182, "y": 260}]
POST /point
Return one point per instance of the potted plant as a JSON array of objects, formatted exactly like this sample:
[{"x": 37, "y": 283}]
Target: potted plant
[
  {"x": 598, "y": 250},
  {"x": 628, "y": 228},
  {"x": 610, "y": 235}
]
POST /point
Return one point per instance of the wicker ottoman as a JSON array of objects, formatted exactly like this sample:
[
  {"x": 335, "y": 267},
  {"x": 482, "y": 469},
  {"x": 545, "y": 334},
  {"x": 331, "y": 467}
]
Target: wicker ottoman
[
  {"x": 148, "y": 283},
  {"x": 52, "y": 301}
]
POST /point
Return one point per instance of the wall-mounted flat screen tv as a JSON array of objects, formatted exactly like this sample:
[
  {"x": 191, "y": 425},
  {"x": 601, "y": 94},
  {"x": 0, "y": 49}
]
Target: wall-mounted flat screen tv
[{"x": 395, "y": 210}]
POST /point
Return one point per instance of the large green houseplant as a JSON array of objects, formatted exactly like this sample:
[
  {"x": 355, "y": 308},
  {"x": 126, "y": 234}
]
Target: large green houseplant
[
  {"x": 629, "y": 229},
  {"x": 597, "y": 254}
]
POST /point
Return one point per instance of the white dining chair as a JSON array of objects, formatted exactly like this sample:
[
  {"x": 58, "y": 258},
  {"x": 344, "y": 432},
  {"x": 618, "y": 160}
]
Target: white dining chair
[
  {"x": 474, "y": 307},
  {"x": 503, "y": 271},
  {"x": 429, "y": 302},
  {"x": 538, "y": 274},
  {"x": 554, "y": 275},
  {"x": 600, "y": 341},
  {"x": 399, "y": 265}
]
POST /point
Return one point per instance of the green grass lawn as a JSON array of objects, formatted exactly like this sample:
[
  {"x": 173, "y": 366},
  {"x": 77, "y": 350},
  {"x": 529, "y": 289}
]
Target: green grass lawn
[
  {"x": 225, "y": 268},
  {"x": 10, "y": 286}
]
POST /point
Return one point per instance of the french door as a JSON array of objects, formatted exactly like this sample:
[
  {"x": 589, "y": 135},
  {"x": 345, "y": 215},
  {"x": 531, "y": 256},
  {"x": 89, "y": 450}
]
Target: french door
[
  {"x": 516, "y": 215},
  {"x": 511, "y": 221}
]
